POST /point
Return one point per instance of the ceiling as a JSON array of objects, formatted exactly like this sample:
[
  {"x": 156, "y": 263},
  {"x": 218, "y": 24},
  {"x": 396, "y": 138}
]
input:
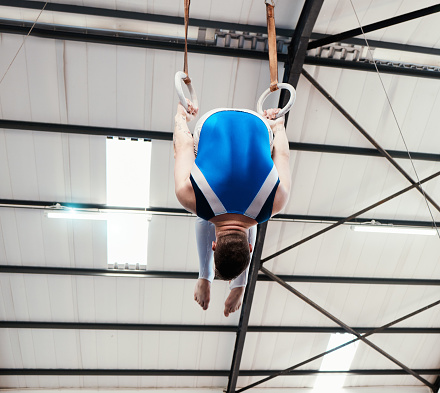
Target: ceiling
[{"x": 92, "y": 69}]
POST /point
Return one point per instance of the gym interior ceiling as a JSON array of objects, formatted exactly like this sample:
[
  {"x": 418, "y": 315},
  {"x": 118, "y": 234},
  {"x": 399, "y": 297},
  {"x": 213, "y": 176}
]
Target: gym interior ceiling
[{"x": 93, "y": 69}]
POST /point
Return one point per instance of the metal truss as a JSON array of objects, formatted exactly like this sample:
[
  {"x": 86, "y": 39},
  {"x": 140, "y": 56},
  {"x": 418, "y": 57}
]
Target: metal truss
[
  {"x": 149, "y": 135},
  {"x": 353, "y": 216},
  {"x": 293, "y": 65},
  {"x": 229, "y": 39},
  {"x": 313, "y": 358},
  {"x": 294, "y": 62},
  {"x": 292, "y": 76}
]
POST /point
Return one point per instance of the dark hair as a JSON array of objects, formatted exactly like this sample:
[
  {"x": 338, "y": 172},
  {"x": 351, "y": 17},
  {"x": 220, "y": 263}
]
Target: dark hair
[{"x": 231, "y": 255}]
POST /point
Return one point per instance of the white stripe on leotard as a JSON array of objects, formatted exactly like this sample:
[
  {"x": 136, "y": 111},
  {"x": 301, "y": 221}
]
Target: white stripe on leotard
[
  {"x": 216, "y": 206},
  {"x": 260, "y": 199}
]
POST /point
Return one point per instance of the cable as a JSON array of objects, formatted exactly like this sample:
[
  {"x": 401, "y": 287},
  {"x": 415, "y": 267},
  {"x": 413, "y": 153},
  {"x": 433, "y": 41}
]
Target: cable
[
  {"x": 395, "y": 118},
  {"x": 24, "y": 40}
]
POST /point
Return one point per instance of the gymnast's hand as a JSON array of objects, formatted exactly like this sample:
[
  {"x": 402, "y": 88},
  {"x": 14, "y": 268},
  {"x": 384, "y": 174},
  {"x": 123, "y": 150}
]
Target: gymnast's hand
[
  {"x": 192, "y": 111},
  {"x": 274, "y": 123}
]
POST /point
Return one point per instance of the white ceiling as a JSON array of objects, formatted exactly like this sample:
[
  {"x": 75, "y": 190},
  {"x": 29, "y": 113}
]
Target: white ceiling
[{"x": 114, "y": 86}]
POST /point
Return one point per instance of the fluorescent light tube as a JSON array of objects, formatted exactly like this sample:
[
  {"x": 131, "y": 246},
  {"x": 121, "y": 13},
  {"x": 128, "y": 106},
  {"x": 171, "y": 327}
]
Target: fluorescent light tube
[
  {"x": 98, "y": 216},
  {"x": 78, "y": 215},
  {"x": 394, "y": 229}
]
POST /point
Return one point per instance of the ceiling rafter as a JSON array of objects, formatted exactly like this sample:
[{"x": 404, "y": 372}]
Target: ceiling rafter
[
  {"x": 122, "y": 38},
  {"x": 204, "y": 328},
  {"x": 74, "y": 271},
  {"x": 168, "y": 136},
  {"x": 167, "y": 211},
  {"x": 206, "y": 23},
  {"x": 198, "y": 373}
]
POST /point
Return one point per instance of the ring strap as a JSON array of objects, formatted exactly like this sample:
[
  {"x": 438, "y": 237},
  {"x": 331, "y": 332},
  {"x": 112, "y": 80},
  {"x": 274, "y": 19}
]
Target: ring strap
[
  {"x": 187, "y": 80},
  {"x": 272, "y": 43}
]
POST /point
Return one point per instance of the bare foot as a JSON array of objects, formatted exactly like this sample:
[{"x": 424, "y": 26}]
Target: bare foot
[
  {"x": 202, "y": 293},
  {"x": 233, "y": 302}
]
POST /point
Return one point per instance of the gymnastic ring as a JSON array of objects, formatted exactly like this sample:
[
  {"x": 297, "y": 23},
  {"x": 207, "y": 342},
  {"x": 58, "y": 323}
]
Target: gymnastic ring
[
  {"x": 286, "y": 109},
  {"x": 180, "y": 75}
]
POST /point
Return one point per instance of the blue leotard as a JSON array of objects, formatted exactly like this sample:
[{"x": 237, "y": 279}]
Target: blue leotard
[{"x": 234, "y": 171}]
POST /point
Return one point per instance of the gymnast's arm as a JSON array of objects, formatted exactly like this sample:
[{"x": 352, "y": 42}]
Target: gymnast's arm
[
  {"x": 184, "y": 158},
  {"x": 280, "y": 157}
]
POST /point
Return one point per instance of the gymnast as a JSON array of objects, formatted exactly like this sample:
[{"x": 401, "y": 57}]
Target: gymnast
[{"x": 233, "y": 174}]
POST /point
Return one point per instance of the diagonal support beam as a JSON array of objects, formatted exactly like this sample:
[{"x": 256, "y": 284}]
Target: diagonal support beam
[
  {"x": 246, "y": 309},
  {"x": 368, "y": 136},
  {"x": 343, "y": 221},
  {"x": 375, "y": 26},
  {"x": 316, "y": 357},
  {"x": 296, "y": 56},
  {"x": 347, "y": 328}
]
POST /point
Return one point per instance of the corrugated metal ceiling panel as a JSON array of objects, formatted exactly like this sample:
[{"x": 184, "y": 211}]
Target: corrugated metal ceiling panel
[{"x": 126, "y": 87}]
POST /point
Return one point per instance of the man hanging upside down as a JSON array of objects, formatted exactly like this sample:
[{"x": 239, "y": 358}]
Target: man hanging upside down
[{"x": 234, "y": 173}]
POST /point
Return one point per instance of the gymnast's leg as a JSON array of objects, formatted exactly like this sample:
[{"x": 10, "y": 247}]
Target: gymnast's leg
[
  {"x": 237, "y": 286},
  {"x": 205, "y": 235}
]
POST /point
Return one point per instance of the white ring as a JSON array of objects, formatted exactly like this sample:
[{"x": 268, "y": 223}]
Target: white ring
[
  {"x": 180, "y": 75},
  {"x": 286, "y": 109}
]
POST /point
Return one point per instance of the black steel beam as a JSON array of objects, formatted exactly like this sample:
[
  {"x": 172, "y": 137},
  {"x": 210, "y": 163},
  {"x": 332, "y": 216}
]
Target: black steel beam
[
  {"x": 71, "y": 271},
  {"x": 166, "y": 19},
  {"x": 361, "y": 151},
  {"x": 355, "y": 220},
  {"x": 168, "y": 136},
  {"x": 48, "y": 205},
  {"x": 292, "y": 71},
  {"x": 246, "y": 309},
  {"x": 84, "y": 130},
  {"x": 347, "y": 328},
  {"x": 375, "y": 26},
  {"x": 140, "y": 16},
  {"x": 198, "y": 373},
  {"x": 331, "y": 350},
  {"x": 370, "y": 139},
  {"x": 136, "y": 40},
  {"x": 204, "y": 328},
  {"x": 121, "y": 38},
  {"x": 118, "y": 326},
  {"x": 347, "y": 219},
  {"x": 370, "y": 67}
]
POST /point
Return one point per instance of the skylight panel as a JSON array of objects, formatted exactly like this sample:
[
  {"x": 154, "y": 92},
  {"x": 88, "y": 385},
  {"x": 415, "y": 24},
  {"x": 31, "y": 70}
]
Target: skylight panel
[
  {"x": 128, "y": 172},
  {"x": 128, "y": 185},
  {"x": 339, "y": 360}
]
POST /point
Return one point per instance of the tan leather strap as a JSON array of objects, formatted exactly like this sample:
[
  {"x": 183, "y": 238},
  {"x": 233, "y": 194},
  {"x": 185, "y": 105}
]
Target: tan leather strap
[
  {"x": 272, "y": 43},
  {"x": 187, "y": 80}
]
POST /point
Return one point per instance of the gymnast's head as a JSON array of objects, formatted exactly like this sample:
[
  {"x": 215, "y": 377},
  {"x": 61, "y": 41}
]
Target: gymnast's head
[{"x": 231, "y": 254}]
